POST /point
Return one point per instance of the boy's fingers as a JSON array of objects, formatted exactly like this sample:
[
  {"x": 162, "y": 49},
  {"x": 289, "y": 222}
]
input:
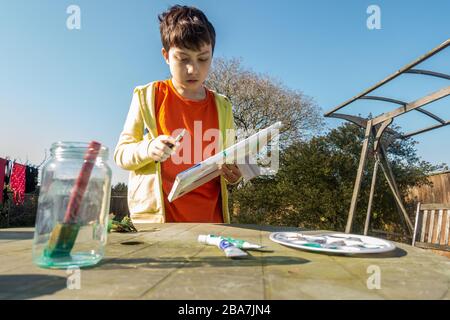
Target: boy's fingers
[
  {"x": 230, "y": 177},
  {"x": 168, "y": 151},
  {"x": 159, "y": 150},
  {"x": 165, "y": 157},
  {"x": 159, "y": 147},
  {"x": 156, "y": 155},
  {"x": 228, "y": 172},
  {"x": 164, "y": 148},
  {"x": 160, "y": 158},
  {"x": 177, "y": 145},
  {"x": 168, "y": 139},
  {"x": 232, "y": 168}
]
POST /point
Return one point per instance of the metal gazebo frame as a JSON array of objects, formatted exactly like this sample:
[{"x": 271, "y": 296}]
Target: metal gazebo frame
[{"x": 377, "y": 126}]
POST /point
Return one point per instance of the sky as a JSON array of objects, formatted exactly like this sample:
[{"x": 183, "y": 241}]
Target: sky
[{"x": 61, "y": 84}]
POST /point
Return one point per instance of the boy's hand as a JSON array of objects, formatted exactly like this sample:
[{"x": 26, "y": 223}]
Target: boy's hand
[
  {"x": 162, "y": 147},
  {"x": 230, "y": 172}
]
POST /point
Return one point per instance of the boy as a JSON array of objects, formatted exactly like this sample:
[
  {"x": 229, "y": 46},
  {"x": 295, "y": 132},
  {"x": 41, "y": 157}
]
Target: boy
[{"x": 161, "y": 110}]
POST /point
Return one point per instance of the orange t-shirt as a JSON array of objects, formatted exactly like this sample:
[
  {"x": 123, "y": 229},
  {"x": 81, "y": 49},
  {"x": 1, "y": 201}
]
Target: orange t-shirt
[{"x": 174, "y": 113}]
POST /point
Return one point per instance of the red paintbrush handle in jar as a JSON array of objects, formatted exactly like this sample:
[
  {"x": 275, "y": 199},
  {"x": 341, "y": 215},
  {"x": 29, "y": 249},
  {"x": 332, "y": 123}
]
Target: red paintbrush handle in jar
[{"x": 81, "y": 183}]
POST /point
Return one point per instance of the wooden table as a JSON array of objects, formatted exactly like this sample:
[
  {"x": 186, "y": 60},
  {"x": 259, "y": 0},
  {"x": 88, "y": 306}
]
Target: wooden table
[{"x": 165, "y": 261}]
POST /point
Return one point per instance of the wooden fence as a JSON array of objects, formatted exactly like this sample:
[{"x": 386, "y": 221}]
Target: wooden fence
[
  {"x": 119, "y": 205},
  {"x": 438, "y": 192}
]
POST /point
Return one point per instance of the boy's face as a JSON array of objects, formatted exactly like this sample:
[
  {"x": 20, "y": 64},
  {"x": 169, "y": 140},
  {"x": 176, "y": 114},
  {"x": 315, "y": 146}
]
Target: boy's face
[{"x": 189, "y": 68}]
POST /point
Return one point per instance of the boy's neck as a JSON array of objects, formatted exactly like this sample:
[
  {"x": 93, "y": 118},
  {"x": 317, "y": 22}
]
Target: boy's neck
[{"x": 195, "y": 94}]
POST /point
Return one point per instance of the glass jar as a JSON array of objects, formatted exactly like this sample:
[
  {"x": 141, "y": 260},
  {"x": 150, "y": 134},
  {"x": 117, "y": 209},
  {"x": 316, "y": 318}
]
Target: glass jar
[{"x": 73, "y": 206}]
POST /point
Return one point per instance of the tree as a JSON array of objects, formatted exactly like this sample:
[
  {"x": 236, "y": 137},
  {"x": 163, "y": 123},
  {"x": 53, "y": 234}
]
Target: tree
[
  {"x": 314, "y": 185},
  {"x": 259, "y": 101}
]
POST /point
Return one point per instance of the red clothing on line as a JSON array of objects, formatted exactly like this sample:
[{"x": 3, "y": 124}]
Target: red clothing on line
[
  {"x": 17, "y": 183},
  {"x": 2, "y": 177}
]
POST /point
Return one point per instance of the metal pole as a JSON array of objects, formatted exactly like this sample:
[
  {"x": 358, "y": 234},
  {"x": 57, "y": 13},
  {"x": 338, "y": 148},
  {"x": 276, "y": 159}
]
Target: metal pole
[
  {"x": 435, "y": 96},
  {"x": 416, "y": 224},
  {"x": 357, "y": 186},
  {"x": 392, "y": 76},
  {"x": 413, "y": 133},
  {"x": 372, "y": 191}
]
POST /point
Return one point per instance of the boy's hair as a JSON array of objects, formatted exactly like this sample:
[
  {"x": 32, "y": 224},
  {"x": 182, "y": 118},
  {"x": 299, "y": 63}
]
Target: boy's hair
[{"x": 185, "y": 27}]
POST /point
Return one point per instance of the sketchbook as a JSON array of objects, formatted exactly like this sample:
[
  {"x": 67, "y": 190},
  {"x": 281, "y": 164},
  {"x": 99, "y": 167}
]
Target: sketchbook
[{"x": 208, "y": 169}]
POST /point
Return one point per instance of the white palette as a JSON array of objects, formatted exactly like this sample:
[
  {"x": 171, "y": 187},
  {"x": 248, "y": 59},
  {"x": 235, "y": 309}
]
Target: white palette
[{"x": 341, "y": 243}]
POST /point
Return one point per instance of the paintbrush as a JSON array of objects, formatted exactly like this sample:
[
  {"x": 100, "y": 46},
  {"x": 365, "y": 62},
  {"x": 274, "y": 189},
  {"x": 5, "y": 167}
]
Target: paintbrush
[
  {"x": 64, "y": 234},
  {"x": 177, "y": 139}
]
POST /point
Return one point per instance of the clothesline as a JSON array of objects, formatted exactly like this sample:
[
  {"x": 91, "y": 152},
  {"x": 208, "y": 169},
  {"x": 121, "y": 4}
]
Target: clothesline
[{"x": 21, "y": 179}]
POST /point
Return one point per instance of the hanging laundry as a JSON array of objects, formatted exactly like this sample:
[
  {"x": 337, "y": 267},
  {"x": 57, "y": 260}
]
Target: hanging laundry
[
  {"x": 17, "y": 183},
  {"x": 8, "y": 171},
  {"x": 31, "y": 179},
  {"x": 2, "y": 177}
]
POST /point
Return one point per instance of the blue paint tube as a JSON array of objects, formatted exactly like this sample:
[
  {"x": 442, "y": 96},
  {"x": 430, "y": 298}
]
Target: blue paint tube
[{"x": 230, "y": 250}]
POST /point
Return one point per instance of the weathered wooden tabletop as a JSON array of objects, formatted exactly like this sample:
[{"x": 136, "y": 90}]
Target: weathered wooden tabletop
[{"x": 165, "y": 261}]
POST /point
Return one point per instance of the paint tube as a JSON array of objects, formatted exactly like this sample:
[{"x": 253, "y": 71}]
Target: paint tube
[
  {"x": 213, "y": 240},
  {"x": 230, "y": 250}
]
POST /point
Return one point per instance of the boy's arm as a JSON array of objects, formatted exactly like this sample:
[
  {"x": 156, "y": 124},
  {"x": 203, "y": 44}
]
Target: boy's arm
[
  {"x": 131, "y": 152},
  {"x": 231, "y": 135},
  {"x": 230, "y": 138}
]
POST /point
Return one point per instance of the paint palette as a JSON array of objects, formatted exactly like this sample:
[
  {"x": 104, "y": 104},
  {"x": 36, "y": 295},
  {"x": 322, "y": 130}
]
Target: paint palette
[{"x": 340, "y": 243}]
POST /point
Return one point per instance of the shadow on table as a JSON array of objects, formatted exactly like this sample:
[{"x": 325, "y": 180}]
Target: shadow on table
[
  {"x": 16, "y": 235},
  {"x": 265, "y": 227},
  {"x": 177, "y": 262},
  {"x": 397, "y": 253},
  {"x": 27, "y": 286}
]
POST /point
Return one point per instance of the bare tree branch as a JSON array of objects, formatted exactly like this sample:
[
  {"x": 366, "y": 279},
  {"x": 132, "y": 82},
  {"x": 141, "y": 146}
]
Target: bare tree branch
[{"x": 259, "y": 101}]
